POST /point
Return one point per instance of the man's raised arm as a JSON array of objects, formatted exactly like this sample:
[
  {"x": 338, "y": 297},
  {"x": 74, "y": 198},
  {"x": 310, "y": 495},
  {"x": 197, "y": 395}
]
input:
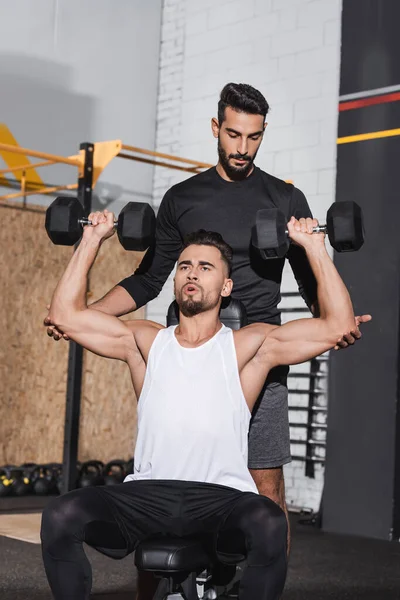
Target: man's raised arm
[
  {"x": 303, "y": 339},
  {"x": 103, "y": 334}
]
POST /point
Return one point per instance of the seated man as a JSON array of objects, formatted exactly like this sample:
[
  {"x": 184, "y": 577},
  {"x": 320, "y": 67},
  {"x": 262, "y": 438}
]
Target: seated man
[{"x": 197, "y": 384}]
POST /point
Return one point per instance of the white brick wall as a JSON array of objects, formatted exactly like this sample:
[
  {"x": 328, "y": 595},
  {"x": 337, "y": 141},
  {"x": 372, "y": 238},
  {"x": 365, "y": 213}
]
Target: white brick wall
[{"x": 290, "y": 50}]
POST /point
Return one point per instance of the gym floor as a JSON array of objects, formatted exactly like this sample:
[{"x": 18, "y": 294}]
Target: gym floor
[{"x": 322, "y": 566}]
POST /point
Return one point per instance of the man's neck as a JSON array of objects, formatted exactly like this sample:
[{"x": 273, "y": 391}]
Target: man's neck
[
  {"x": 198, "y": 329},
  {"x": 222, "y": 173}
]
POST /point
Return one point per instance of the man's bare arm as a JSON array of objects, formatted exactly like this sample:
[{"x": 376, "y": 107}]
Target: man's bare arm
[
  {"x": 101, "y": 333},
  {"x": 303, "y": 339}
]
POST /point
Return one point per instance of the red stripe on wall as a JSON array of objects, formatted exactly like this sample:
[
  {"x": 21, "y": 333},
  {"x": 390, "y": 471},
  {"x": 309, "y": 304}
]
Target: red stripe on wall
[{"x": 369, "y": 101}]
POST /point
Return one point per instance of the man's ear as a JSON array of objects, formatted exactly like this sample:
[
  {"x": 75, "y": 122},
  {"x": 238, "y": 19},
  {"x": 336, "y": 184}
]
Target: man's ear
[
  {"x": 215, "y": 127},
  {"x": 265, "y": 125},
  {"x": 227, "y": 288}
]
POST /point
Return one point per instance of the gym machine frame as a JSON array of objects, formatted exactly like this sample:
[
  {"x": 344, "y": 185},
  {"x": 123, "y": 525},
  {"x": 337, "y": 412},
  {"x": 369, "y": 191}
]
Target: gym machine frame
[{"x": 91, "y": 160}]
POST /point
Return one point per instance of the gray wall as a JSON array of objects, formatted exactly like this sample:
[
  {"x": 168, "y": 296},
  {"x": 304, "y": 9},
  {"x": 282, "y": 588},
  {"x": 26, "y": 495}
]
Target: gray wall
[{"x": 82, "y": 70}]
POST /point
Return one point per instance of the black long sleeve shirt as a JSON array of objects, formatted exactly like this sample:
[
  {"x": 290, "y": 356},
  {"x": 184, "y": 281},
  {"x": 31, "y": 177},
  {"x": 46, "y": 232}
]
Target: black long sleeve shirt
[{"x": 206, "y": 201}]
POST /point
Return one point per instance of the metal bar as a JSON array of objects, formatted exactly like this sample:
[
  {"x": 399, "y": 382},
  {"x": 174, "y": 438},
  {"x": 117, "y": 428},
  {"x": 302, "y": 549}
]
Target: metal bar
[
  {"x": 313, "y": 408},
  {"x": 168, "y": 156},
  {"x": 290, "y": 295},
  {"x": 23, "y": 187},
  {"x": 159, "y": 163},
  {"x": 56, "y": 158},
  {"x": 75, "y": 358},
  {"x": 313, "y": 425},
  {"x": 40, "y": 191},
  {"x": 308, "y": 375},
  {"x": 27, "y": 167},
  {"x": 312, "y": 442},
  {"x": 308, "y": 392},
  {"x": 309, "y": 459}
]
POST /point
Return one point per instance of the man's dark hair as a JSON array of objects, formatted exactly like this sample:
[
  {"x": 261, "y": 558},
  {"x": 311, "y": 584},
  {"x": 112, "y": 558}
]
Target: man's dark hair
[
  {"x": 210, "y": 238},
  {"x": 242, "y": 97}
]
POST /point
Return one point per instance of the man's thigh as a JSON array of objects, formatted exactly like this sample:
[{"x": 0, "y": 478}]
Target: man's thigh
[
  {"x": 269, "y": 440},
  {"x": 144, "y": 508}
]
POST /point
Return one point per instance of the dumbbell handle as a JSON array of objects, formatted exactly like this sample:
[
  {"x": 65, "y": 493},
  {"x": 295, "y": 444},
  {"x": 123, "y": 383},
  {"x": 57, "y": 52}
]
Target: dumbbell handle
[
  {"x": 87, "y": 222},
  {"x": 318, "y": 229}
]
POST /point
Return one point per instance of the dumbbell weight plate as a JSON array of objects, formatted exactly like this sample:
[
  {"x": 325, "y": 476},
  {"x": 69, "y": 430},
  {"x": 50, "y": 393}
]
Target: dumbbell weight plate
[
  {"x": 345, "y": 226},
  {"x": 136, "y": 226},
  {"x": 269, "y": 233},
  {"x": 62, "y": 221}
]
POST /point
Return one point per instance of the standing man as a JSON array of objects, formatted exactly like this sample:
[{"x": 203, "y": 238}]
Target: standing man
[{"x": 226, "y": 198}]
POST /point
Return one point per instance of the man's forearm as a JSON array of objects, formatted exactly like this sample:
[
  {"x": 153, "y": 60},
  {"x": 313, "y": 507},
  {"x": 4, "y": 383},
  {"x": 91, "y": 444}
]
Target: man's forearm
[
  {"x": 70, "y": 293},
  {"x": 116, "y": 302},
  {"x": 333, "y": 299}
]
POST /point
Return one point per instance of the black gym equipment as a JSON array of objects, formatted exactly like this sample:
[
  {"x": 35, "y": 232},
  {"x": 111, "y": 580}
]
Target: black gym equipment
[
  {"x": 20, "y": 481},
  {"x": 6, "y": 480},
  {"x": 65, "y": 221},
  {"x": 114, "y": 472},
  {"x": 42, "y": 480},
  {"x": 344, "y": 226},
  {"x": 91, "y": 473}
]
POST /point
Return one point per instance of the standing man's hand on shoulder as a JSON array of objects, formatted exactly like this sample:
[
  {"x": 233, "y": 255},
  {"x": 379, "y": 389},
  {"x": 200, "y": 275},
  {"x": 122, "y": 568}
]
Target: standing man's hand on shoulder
[
  {"x": 52, "y": 330},
  {"x": 350, "y": 338}
]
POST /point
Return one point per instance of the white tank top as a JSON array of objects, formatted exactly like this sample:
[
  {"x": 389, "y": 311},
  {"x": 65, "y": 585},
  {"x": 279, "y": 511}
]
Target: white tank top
[{"x": 193, "y": 419}]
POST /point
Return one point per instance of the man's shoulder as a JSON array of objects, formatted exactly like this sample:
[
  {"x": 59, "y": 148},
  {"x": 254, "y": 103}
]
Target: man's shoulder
[
  {"x": 139, "y": 326},
  {"x": 192, "y": 183},
  {"x": 280, "y": 185}
]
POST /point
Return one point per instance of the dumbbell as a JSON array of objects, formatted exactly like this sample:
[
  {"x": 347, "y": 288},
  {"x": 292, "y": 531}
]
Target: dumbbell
[
  {"x": 65, "y": 221},
  {"x": 344, "y": 227}
]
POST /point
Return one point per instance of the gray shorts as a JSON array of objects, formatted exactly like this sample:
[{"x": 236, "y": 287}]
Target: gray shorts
[{"x": 269, "y": 440}]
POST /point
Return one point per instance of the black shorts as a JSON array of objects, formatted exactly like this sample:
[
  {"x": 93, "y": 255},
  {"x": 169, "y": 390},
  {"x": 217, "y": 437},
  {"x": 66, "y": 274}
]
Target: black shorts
[{"x": 153, "y": 508}]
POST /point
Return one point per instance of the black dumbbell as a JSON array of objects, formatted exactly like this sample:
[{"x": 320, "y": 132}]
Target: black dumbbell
[
  {"x": 65, "y": 221},
  {"x": 344, "y": 227}
]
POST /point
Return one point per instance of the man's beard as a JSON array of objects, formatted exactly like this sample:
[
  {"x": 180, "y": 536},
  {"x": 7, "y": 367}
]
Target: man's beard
[
  {"x": 235, "y": 173},
  {"x": 191, "y": 308}
]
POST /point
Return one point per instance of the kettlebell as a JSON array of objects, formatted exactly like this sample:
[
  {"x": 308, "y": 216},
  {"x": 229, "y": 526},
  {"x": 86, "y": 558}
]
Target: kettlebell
[
  {"x": 56, "y": 473},
  {"x": 5, "y": 480},
  {"x": 42, "y": 480},
  {"x": 91, "y": 473},
  {"x": 20, "y": 482},
  {"x": 114, "y": 472}
]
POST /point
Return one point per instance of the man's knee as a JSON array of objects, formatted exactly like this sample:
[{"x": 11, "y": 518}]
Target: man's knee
[
  {"x": 266, "y": 532},
  {"x": 60, "y": 519},
  {"x": 264, "y": 527},
  {"x": 270, "y": 483}
]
